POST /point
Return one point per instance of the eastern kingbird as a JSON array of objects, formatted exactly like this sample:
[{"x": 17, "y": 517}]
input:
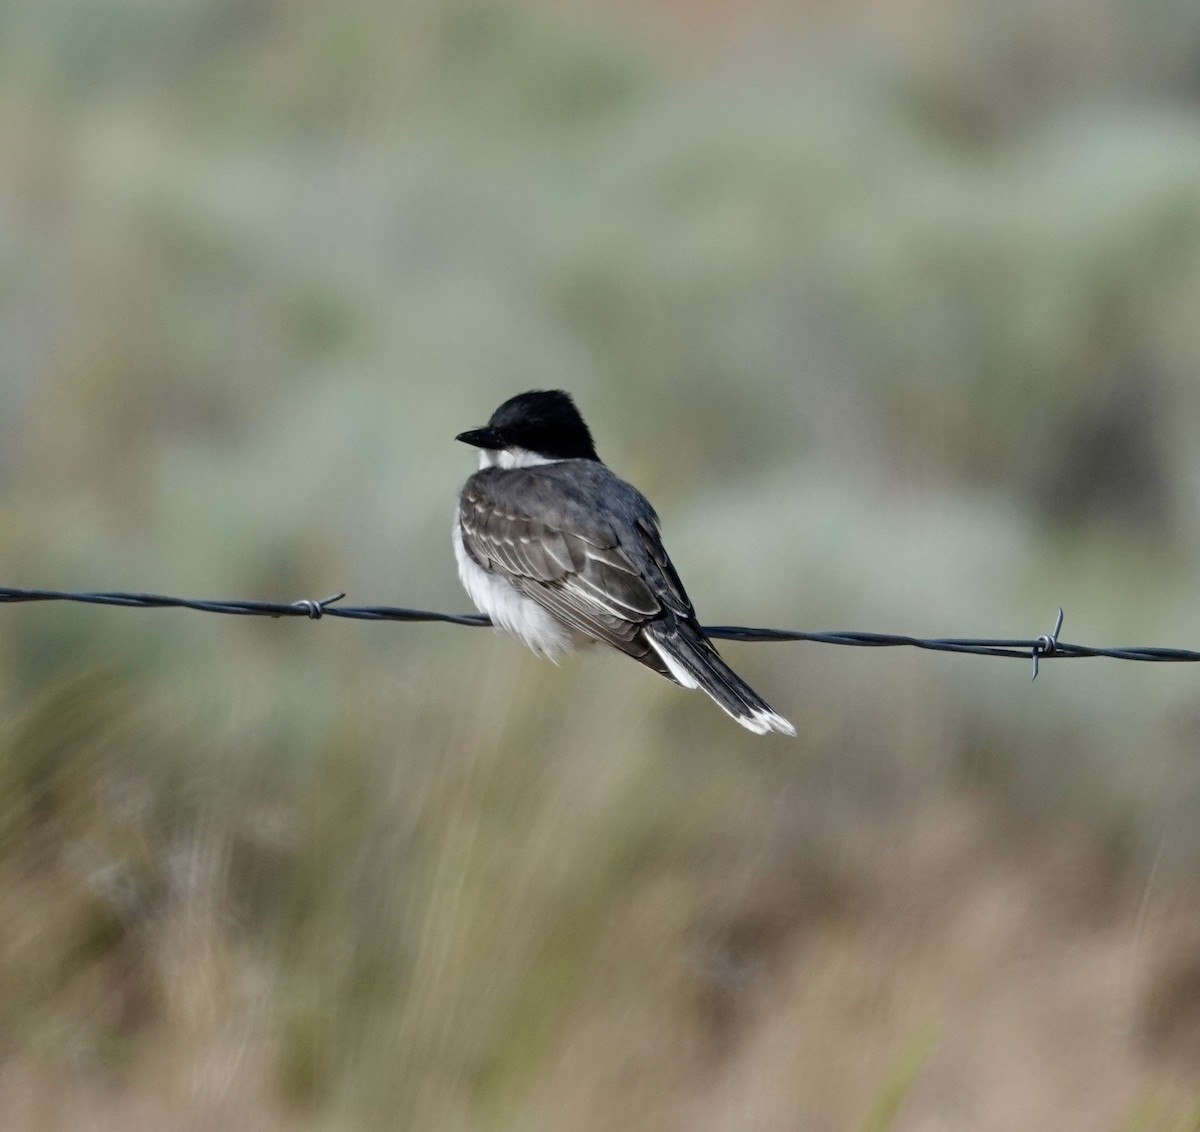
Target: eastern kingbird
[{"x": 560, "y": 552}]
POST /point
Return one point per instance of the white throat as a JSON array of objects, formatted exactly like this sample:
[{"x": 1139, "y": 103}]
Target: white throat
[{"x": 511, "y": 458}]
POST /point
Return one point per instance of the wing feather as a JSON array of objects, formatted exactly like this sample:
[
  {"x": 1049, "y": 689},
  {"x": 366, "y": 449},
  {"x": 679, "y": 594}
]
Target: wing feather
[{"x": 570, "y": 559}]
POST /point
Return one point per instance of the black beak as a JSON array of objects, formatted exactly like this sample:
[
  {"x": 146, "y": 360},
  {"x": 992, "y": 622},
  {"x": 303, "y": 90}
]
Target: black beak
[{"x": 481, "y": 438}]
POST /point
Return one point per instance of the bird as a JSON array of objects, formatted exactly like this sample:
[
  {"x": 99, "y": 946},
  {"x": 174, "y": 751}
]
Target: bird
[{"x": 560, "y": 552}]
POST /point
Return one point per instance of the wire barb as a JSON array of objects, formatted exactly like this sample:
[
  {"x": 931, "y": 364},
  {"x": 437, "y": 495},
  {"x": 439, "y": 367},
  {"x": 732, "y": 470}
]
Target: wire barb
[
  {"x": 1035, "y": 650},
  {"x": 316, "y": 609},
  {"x": 1046, "y": 644}
]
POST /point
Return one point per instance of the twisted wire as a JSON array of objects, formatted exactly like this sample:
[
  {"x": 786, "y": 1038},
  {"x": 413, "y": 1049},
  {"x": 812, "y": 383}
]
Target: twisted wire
[{"x": 1043, "y": 647}]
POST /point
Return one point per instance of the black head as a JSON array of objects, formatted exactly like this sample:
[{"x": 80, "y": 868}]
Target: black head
[{"x": 544, "y": 421}]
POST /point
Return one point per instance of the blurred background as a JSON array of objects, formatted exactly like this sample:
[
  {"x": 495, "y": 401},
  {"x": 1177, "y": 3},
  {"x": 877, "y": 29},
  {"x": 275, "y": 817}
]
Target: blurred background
[{"x": 904, "y": 298}]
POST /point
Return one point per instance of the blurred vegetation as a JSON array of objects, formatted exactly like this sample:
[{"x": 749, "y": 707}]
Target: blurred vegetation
[{"x": 900, "y": 298}]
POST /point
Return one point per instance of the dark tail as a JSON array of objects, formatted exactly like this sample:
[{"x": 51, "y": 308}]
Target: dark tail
[{"x": 693, "y": 662}]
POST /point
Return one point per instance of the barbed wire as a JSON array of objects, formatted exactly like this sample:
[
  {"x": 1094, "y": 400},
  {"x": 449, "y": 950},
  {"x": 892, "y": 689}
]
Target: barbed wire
[{"x": 1043, "y": 647}]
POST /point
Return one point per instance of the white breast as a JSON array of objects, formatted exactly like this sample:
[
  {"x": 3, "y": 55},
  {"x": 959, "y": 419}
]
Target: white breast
[{"x": 509, "y": 609}]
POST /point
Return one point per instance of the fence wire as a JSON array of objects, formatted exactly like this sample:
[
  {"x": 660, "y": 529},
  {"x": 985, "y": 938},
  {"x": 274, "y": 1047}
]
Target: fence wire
[{"x": 1043, "y": 647}]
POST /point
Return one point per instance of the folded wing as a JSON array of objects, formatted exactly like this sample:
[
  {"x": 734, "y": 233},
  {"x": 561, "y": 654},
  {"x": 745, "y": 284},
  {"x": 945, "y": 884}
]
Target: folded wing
[{"x": 594, "y": 561}]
